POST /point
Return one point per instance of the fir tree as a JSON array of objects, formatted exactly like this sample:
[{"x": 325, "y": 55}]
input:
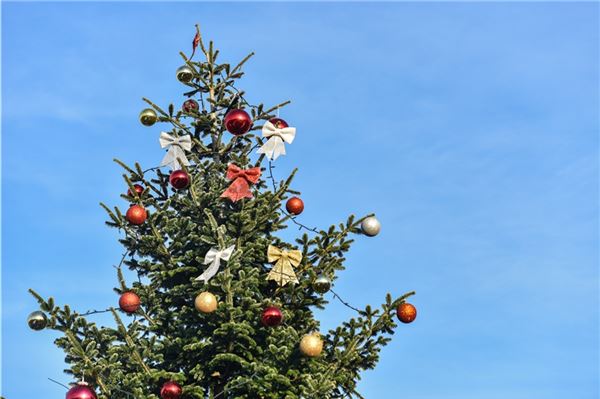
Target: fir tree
[{"x": 228, "y": 352}]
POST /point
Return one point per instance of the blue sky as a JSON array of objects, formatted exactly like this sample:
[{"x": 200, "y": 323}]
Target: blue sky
[{"x": 471, "y": 129}]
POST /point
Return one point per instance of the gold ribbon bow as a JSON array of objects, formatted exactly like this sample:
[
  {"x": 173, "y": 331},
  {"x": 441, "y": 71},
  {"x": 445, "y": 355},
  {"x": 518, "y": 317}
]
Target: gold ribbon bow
[{"x": 283, "y": 271}]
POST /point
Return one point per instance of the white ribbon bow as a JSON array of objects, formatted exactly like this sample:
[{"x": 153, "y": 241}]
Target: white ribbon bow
[
  {"x": 177, "y": 147},
  {"x": 214, "y": 257},
  {"x": 274, "y": 147}
]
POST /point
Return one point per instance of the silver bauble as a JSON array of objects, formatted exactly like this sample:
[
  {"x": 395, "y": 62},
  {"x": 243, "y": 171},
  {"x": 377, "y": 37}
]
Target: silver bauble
[
  {"x": 322, "y": 284},
  {"x": 370, "y": 226},
  {"x": 185, "y": 74},
  {"x": 37, "y": 320}
]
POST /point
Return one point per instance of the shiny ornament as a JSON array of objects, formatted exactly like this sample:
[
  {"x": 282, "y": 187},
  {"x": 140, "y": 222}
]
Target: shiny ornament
[
  {"x": 311, "y": 345},
  {"x": 148, "y": 117},
  {"x": 37, "y": 320},
  {"x": 170, "y": 390},
  {"x": 190, "y": 105},
  {"x": 406, "y": 312},
  {"x": 206, "y": 302},
  {"x": 179, "y": 179},
  {"x": 138, "y": 190},
  {"x": 242, "y": 178},
  {"x": 271, "y": 317},
  {"x": 294, "y": 205},
  {"x": 279, "y": 123},
  {"x": 237, "y": 122},
  {"x": 322, "y": 284},
  {"x": 81, "y": 391},
  {"x": 185, "y": 74},
  {"x": 129, "y": 302},
  {"x": 136, "y": 214},
  {"x": 283, "y": 271},
  {"x": 370, "y": 226}
]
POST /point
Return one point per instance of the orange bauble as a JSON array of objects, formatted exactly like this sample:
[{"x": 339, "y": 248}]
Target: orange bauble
[
  {"x": 129, "y": 302},
  {"x": 295, "y": 206},
  {"x": 136, "y": 214},
  {"x": 406, "y": 312},
  {"x": 311, "y": 345},
  {"x": 206, "y": 302}
]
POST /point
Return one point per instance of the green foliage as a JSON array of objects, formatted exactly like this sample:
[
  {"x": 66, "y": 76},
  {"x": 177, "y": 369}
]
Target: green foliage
[{"x": 226, "y": 354}]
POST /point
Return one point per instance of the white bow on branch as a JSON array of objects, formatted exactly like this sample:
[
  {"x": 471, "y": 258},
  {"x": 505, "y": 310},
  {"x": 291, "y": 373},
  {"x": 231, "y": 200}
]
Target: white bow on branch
[
  {"x": 214, "y": 257},
  {"x": 274, "y": 147},
  {"x": 177, "y": 148}
]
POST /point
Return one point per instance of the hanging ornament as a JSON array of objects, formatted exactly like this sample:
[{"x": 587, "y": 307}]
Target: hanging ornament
[
  {"x": 129, "y": 302},
  {"x": 274, "y": 147},
  {"x": 37, "y": 320},
  {"x": 237, "y": 122},
  {"x": 185, "y": 74},
  {"x": 214, "y": 257},
  {"x": 279, "y": 123},
  {"x": 179, "y": 179},
  {"x": 190, "y": 105},
  {"x": 177, "y": 146},
  {"x": 242, "y": 178},
  {"x": 370, "y": 226},
  {"x": 148, "y": 117},
  {"x": 311, "y": 345},
  {"x": 206, "y": 302},
  {"x": 322, "y": 284},
  {"x": 138, "y": 190},
  {"x": 170, "y": 390},
  {"x": 294, "y": 205},
  {"x": 283, "y": 271},
  {"x": 406, "y": 312},
  {"x": 271, "y": 317},
  {"x": 81, "y": 391},
  {"x": 136, "y": 214}
]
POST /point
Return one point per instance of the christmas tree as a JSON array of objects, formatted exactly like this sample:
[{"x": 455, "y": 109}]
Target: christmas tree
[{"x": 220, "y": 306}]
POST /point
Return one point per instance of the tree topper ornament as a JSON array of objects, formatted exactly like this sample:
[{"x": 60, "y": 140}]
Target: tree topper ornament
[
  {"x": 274, "y": 147},
  {"x": 283, "y": 271},
  {"x": 177, "y": 146},
  {"x": 214, "y": 257}
]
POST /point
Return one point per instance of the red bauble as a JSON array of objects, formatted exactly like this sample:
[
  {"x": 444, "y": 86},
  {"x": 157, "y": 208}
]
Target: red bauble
[
  {"x": 279, "y": 123},
  {"x": 190, "y": 105},
  {"x": 170, "y": 390},
  {"x": 138, "y": 189},
  {"x": 179, "y": 179},
  {"x": 406, "y": 312},
  {"x": 81, "y": 391},
  {"x": 237, "y": 122},
  {"x": 136, "y": 214},
  {"x": 271, "y": 317},
  {"x": 129, "y": 302},
  {"x": 294, "y": 205}
]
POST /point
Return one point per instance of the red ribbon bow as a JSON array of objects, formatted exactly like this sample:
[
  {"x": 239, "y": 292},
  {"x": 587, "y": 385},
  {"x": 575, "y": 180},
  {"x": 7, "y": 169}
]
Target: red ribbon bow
[
  {"x": 240, "y": 188},
  {"x": 195, "y": 44}
]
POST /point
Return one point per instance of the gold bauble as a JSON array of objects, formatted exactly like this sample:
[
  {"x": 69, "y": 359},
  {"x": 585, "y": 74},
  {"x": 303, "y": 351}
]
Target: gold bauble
[
  {"x": 311, "y": 345},
  {"x": 148, "y": 117},
  {"x": 322, "y": 284},
  {"x": 206, "y": 302}
]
